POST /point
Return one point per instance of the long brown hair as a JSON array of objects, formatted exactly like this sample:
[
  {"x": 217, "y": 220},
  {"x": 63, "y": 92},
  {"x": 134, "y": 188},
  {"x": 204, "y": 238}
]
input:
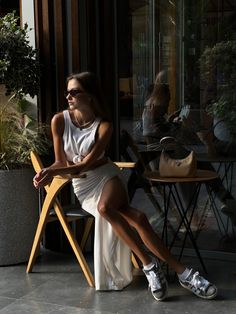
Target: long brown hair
[
  {"x": 161, "y": 92},
  {"x": 160, "y": 98},
  {"x": 91, "y": 85}
]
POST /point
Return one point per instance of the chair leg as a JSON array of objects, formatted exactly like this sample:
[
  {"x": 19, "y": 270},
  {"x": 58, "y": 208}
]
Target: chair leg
[
  {"x": 37, "y": 238},
  {"x": 134, "y": 261},
  {"x": 74, "y": 244},
  {"x": 55, "y": 186},
  {"x": 87, "y": 230}
]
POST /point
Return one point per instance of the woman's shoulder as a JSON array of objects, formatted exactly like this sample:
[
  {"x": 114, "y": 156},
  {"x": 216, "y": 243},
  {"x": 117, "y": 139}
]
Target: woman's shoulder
[
  {"x": 105, "y": 126},
  {"x": 105, "y": 123},
  {"x": 147, "y": 102},
  {"x": 58, "y": 117},
  {"x": 150, "y": 103},
  {"x": 58, "y": 122}
]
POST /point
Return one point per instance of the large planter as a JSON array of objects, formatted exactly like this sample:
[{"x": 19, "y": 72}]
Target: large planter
[
  {"x": 18, "y": 215},
  {"x": 221, "y": 131}
]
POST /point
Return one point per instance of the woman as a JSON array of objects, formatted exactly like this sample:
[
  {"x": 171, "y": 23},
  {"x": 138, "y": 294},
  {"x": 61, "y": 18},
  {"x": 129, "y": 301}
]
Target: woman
[
  {"x": 81, "y": 135},
  {"x": 156, "y": 122}
]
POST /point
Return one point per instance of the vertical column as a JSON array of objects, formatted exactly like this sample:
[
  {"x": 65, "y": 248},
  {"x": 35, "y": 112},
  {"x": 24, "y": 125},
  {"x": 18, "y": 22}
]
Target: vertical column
[
  {"x": 43, "y": 29},
  {"x": 60, "y": 51},
  {"x": 75, "y": 38}
]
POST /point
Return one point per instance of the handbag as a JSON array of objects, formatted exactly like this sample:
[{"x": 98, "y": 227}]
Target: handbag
[{"x": 170, "y": 167}]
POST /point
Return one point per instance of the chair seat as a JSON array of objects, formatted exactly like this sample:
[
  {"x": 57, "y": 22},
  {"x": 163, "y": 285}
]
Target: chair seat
[{"x": 72, "y": 210}]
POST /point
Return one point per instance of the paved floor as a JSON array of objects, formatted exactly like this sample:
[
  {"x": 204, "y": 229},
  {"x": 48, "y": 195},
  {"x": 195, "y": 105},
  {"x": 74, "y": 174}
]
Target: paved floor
[{"x": 58, "y": 286}]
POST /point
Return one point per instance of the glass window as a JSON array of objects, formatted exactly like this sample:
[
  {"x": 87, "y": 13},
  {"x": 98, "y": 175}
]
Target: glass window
[{"x": 177, "y": 78}]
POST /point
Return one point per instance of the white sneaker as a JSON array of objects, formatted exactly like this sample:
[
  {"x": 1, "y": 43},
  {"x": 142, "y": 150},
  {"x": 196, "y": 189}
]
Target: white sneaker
[
  {"x": 199, "y": 285},
  {"x": 157, "y": 281}
]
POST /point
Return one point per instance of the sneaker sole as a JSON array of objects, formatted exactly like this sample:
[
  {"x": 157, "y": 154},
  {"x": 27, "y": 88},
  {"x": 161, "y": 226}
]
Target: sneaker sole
[
  {"x": 160, "y": 299},
  {"x": 198, "y": 295}
]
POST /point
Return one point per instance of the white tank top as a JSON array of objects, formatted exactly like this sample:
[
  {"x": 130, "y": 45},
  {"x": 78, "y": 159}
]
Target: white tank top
[{"x": 78, "y": 142}]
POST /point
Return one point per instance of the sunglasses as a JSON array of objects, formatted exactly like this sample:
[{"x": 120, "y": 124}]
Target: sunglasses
[{"x": 73, "y": 92}]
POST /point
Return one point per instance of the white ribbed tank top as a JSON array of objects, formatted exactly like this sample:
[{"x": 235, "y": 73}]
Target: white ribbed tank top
[{"x": 78, "y": 142}]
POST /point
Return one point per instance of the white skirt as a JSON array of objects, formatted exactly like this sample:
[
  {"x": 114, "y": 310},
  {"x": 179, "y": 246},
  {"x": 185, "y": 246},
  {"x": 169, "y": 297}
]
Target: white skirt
[{"x": 112, "y": 257}]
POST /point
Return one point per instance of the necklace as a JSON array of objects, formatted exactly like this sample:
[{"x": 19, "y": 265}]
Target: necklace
[{"x": 82, "y": 125}]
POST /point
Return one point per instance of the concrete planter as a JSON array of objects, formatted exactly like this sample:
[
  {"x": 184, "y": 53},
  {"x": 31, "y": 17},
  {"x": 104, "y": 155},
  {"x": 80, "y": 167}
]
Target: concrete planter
[
  {"x": 18, "y": 215},
  {"x": 221, "y": 131}
]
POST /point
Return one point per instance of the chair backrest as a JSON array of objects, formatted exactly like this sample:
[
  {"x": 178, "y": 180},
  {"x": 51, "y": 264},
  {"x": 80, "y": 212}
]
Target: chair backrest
[
  {"x": 38, "y": 166},
  {"x": 129, "y": 150},
  {"x": 36, "y": 161}
]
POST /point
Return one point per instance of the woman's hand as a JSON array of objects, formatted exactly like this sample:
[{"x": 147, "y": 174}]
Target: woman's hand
[
  {"x": 43, "y": 177},
  {"x": 178, "y": 120}
]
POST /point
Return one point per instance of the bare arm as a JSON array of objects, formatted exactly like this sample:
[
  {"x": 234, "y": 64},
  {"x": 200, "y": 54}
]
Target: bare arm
[
  {"x": 102, "y": 140},
  {"x": 45, "y": 175},
  {"x": 57, "y": 127},
  {"x": 60, "y": 166}
]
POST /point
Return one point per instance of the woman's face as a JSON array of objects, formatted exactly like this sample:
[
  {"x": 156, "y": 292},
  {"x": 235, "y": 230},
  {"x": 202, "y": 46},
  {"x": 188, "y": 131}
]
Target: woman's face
[{"x": 75, "y": 95}]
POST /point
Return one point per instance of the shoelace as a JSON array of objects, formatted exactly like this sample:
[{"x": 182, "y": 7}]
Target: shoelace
[
  {"x": 198, "y": 282},
  {"x": 155, "y": 280}
]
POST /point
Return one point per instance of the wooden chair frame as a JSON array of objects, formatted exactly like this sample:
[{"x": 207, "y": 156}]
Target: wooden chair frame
[{"x": 50, "y": 201}]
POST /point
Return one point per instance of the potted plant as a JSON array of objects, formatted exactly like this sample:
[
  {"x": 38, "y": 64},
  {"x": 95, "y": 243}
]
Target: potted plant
[
  {"x": 19, "y": 134},
  {"x": 19, "y": 199},
  {"x": 18, "y": 137},
  {"x": 218, "y": 67},
  {"x": 19, "y": 62}
]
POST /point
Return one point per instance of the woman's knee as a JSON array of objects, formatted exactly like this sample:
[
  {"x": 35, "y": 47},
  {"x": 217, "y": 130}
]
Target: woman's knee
[{"x": 104, "y": 210}]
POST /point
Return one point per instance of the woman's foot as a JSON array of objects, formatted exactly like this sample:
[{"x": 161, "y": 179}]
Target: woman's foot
[
  {"x": 198, "y": 285},
  {"x": 157, "y": 281}
]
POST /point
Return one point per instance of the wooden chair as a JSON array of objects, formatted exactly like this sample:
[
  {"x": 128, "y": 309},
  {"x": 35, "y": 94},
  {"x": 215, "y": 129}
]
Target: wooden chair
[
  {"x": 51, "y": 201},
  {"x": 153, "y": 190},
  {"x": 130, "y": 152}
]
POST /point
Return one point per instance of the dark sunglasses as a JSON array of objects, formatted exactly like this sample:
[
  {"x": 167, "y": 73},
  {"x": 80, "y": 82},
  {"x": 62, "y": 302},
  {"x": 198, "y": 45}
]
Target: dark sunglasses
[{"x": 73, "y": 92}]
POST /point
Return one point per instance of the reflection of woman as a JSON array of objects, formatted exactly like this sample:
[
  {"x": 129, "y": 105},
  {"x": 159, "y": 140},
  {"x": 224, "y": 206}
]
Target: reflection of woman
[
  {"x": 156, "y": 125},
  {"x": 81, "y": 135},
  {"x": 154, "y": 118}
]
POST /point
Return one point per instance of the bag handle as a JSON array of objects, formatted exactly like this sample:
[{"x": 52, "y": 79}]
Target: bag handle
[{"x": 169, "y": 143}]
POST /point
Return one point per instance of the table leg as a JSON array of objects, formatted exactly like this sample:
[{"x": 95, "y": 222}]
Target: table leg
[{"x": 183, "y": 216}]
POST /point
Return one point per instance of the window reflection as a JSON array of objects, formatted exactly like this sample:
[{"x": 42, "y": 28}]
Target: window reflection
[{"x": 190, "y": 46}]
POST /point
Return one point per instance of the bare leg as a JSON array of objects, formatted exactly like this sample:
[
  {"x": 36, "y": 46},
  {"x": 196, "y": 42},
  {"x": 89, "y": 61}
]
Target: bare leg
[
  {"x": 139, "y": 221},
  {"x": 113, "y": 197},
  {"x": 113, "y": 206}
]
